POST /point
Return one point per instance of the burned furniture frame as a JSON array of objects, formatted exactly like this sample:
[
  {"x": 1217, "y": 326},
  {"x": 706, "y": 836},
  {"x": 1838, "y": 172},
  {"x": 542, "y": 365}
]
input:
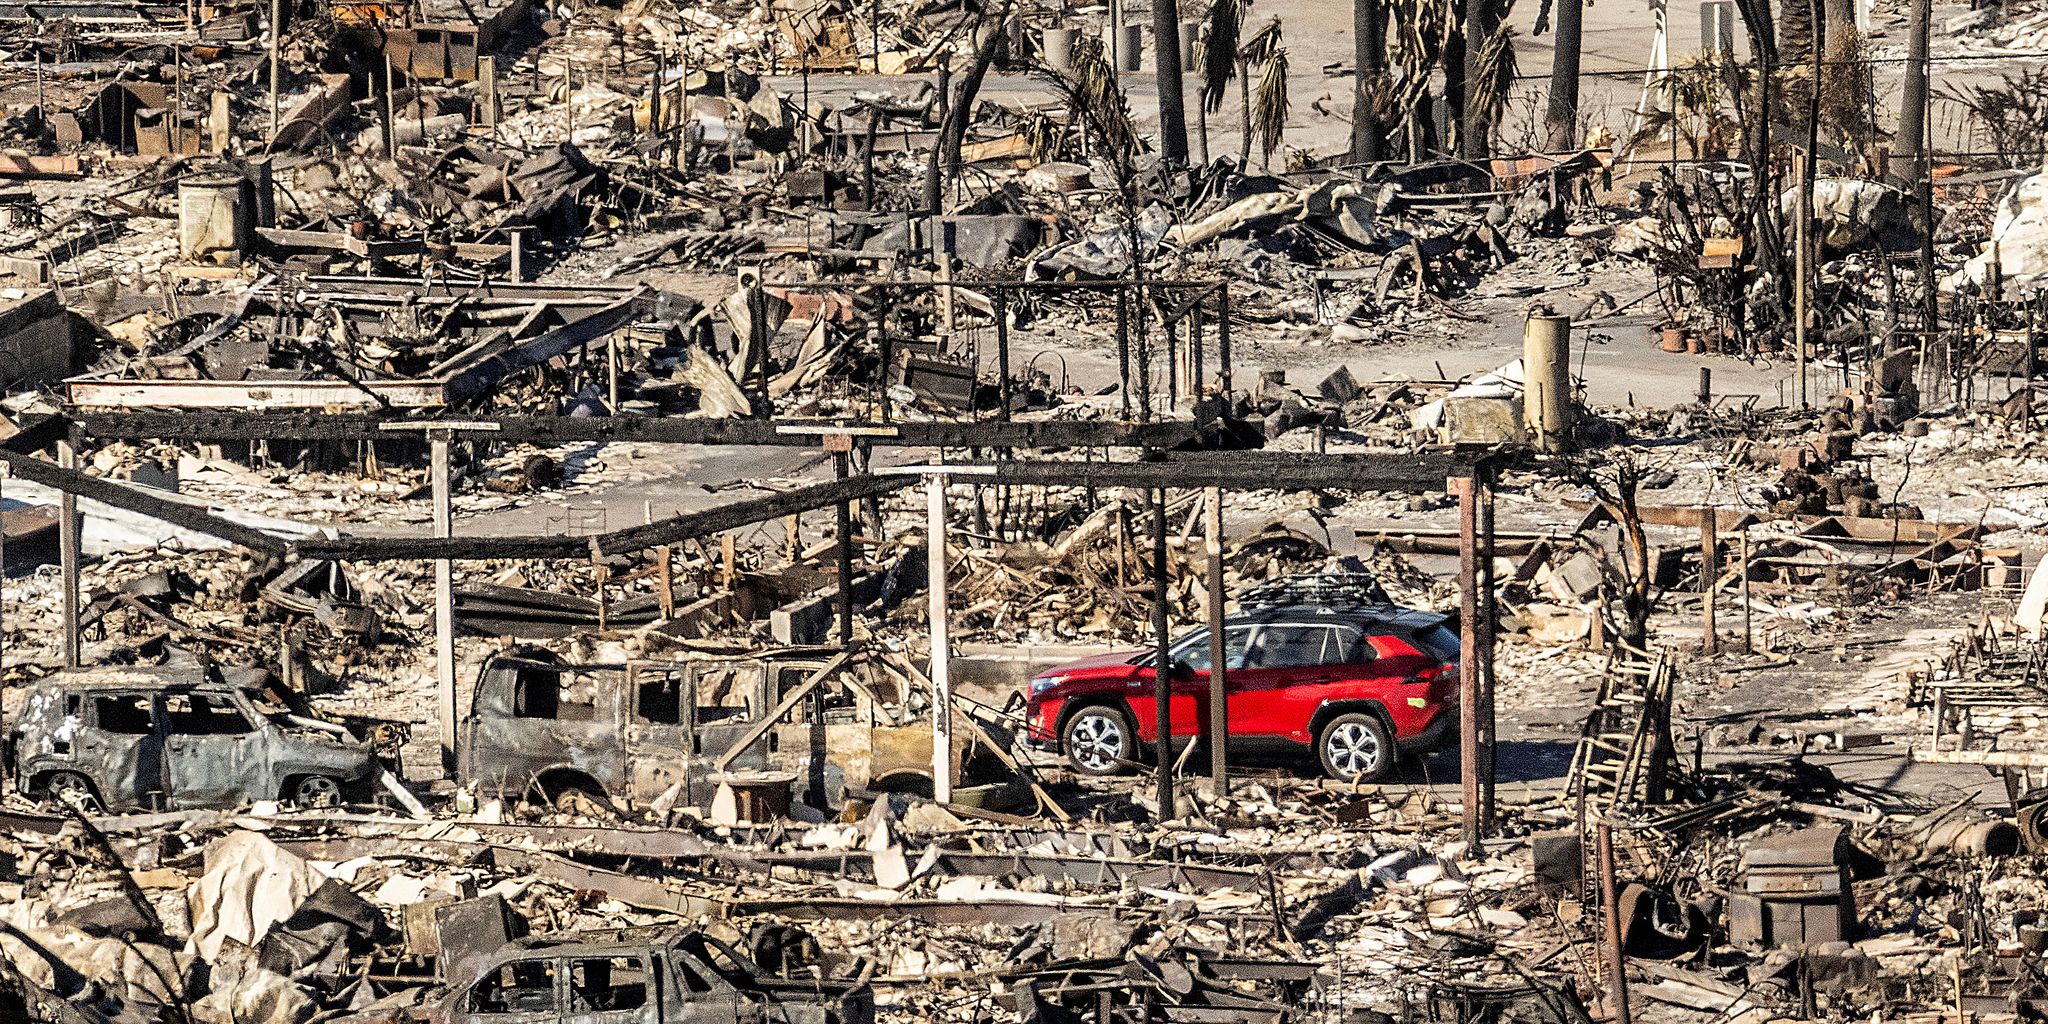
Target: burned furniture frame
[{"x": 1464, "y": 474}]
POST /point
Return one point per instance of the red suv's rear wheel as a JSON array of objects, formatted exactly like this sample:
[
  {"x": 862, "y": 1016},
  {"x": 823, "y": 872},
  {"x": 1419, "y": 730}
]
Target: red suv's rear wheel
[
  {"x": 1099, "y": 741},
  {"x": 1356, "y": 748}
]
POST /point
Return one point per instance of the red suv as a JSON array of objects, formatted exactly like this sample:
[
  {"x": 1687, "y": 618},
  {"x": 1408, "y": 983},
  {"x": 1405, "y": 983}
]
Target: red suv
[{"x": 1362, "y": 686}]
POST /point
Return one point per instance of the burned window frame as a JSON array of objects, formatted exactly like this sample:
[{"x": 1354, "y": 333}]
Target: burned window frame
[
  {"x": 152, "y": 723},
  {"x": 167, "y": 719},
  {"x": 471, "y": 998}
]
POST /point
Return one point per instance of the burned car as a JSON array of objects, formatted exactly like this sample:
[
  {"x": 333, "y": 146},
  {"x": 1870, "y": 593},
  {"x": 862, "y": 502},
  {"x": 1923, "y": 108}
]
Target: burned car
[
  {"x": 643, "y": 977},
  {"x": 140, "y": 738},
  {"x": 584, "y": 736}
]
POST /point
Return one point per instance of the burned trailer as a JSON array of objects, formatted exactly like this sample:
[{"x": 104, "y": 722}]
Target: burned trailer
[
  {"x": 122, "y": 738},
  {"x": 643, "y": 976},
  {"x": 632, "y": 735}
]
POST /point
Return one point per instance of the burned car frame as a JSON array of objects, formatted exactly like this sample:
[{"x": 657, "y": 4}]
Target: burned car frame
[
  {"x": 632, "y": 734},
  {"x": 139, "y": 738},
  {"x": 634, "y": 977}
]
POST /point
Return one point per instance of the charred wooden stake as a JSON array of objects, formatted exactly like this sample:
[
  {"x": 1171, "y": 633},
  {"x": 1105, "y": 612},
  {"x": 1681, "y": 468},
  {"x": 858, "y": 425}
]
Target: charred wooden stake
[{"x": 1710, "y": 568}]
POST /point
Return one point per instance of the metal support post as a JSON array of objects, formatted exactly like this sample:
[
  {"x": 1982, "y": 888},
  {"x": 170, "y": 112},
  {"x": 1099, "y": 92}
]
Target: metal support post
[
  {"x": 1219, "y": 708},
  {"x": 444, "y": 600},
  {"x": 942, "y": 688},
  {"x": 1162, "y": 667},
  {"x": 67, "y": 554},
  {"x": 1610, "y": 910},
  {"x": 1469, "y": 736}
]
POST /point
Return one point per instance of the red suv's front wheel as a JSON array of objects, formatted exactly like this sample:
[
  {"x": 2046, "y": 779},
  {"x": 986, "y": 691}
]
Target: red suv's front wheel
[
  {"x": 1355, "y": 748},
  {"x": 1099, "y": 741}
]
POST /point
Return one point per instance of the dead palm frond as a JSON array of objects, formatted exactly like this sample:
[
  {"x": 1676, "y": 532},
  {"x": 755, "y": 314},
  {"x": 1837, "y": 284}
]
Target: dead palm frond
[
  {"x": 1496, "y": 74},
  {"x": 1260, "y": 47},
  {"x": 1091, "y": 94},
  {"x": 1269, "y": 101},
  {"x": 1218, "y": 58}
]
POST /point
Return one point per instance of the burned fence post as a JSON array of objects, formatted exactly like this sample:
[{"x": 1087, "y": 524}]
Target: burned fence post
[
  {"x": 1219, "y": 709},
  {"x": 841, "y": 445}
]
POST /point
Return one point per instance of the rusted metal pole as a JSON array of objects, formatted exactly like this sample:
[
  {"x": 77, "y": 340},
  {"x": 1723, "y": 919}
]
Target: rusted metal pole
[
  {"x": 942, "y": 687},
  {"x": 1617, "y": 963},
  {"x": 1470, "y": 739},
  {"x": 1710, "y": 571},
  {"x": 1488, "y": 619},
  {"x": 444, "y": 600},
  {"x": 1162, "y": 666},
  {"x": 1219, "y": 709}
]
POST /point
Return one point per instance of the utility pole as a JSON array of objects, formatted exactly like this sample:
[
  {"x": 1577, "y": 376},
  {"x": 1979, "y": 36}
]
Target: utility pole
[
  {"x": 1166, "y": 51},
  {"x": 1561, "y": 115},
  {"x": 67, "y": 554},
  {"x": 1369, "y": 53}
]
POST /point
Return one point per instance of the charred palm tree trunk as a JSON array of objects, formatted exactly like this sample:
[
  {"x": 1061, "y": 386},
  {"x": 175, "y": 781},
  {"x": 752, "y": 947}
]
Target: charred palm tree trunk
[
  {"x": 1166, "y": 51},
  {"x": 1561, "y": 116},
  {"x": 1369, "y": 38}
]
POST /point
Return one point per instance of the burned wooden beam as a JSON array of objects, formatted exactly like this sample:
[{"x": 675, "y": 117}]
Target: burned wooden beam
[
  {"x": 202, "y": 425},
  {"x": 1264, "y": 470},
  {"x": 139, "y": 501},
  {"x": 667, "y": 531}
]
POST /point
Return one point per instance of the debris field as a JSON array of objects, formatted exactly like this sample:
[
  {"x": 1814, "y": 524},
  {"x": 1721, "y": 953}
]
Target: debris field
[{"x": 999, "y": 512}]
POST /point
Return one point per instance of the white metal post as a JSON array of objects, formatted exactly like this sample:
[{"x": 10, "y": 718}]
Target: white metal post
[
  {"x": 444, "y": 603},
  {"x": 942, "y": 687}
]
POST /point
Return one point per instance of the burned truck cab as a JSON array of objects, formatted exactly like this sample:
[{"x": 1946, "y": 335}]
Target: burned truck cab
[{"x": 639, "y": 732}]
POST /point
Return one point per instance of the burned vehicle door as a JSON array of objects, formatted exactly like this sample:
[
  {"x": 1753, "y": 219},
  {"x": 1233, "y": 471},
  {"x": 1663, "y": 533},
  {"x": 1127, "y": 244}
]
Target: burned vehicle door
[
  {"x": 213, "y": 752},
  {"x": 616, "y": 988},
  {"x": 658, "y": 730},
  {"x": 517, "y": 992},
  {"x": 702, "y": 991},
  {"x": 119, "y": 742},
  {"x": 725, "y": 698},
  {"x": 533, "y": 718}
]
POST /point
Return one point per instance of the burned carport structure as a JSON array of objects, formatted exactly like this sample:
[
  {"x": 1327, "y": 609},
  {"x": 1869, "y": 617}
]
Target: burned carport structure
[{"x": 1466, "y": 475}]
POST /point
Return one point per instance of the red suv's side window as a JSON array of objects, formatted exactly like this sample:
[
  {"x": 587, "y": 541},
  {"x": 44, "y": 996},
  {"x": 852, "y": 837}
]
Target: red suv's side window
[{"x": 1286, "y": 646}]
